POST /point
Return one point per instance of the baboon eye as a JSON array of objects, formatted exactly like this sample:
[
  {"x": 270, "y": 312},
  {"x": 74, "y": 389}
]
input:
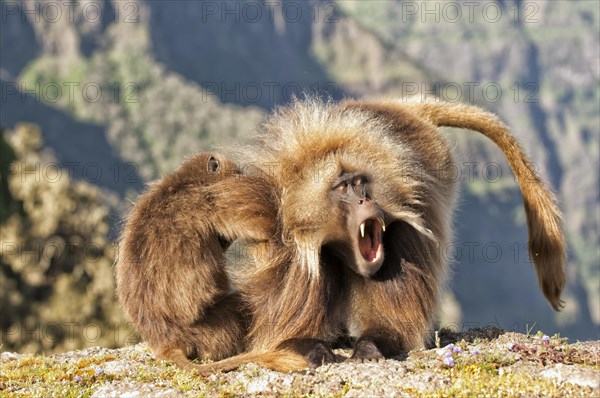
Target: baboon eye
[
  {"x": 213, "y": 165},
  {"x": 358, "y": 181},
  {"x": 341, "y": 186}
]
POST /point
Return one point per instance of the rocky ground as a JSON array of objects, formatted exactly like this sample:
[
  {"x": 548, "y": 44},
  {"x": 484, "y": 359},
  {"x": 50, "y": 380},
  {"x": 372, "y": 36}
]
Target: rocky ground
[{"x": 485, "y": 362}]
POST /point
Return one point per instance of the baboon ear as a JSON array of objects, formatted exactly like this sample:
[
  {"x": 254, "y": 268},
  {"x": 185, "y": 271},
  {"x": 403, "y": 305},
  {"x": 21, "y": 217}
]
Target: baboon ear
[{"x": 213, "y": 165}]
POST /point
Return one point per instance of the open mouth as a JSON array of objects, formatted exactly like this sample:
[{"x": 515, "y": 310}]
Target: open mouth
[{"x": 369, "y": 239}]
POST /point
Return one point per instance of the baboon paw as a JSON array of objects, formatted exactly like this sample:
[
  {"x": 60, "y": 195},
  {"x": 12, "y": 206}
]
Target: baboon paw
[
  {"x": 366, "y": 351},
  {"x": 322, "y": 356}
]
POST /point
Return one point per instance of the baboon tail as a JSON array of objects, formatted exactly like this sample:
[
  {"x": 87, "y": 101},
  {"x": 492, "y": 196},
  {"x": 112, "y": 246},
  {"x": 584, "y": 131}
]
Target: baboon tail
[
  {"x": 546, "y": 239},
  {"x": 279, "y": 360}
]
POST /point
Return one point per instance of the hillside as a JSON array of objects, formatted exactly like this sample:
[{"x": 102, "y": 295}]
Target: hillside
[{"x": 132, "y": 91}]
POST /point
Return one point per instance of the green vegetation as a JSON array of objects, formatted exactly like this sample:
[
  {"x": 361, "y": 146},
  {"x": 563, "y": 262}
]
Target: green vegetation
[
  {"x": 7, "y": 205},
  {"x": 56, "y": 266},
  {"x": 154, "y": 117},
  {"x": 511, "y": 365}
]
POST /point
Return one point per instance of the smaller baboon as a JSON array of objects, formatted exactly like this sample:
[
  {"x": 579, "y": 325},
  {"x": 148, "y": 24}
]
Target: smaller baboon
[{"x": 171, "y": 278}]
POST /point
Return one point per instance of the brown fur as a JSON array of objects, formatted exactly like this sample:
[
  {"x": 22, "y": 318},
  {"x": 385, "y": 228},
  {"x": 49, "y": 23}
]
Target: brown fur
[
  {"x": 546, "y": 239},
  {"x": 170, "y": 273},
  {"x": 303, "y": 289},
  {"x": 304, "y": 296}
]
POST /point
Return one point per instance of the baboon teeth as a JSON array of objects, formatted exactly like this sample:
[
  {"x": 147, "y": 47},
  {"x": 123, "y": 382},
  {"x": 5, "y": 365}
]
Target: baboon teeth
[
  {"x": 382, "y": 224},
  {"x": 362, "y": 229}
]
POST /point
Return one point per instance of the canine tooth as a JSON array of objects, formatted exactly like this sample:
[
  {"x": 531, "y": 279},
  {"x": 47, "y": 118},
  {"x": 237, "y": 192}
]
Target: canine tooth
[
  {"x": 362, "y": 230},
  {"x": 382, "y": 224}
]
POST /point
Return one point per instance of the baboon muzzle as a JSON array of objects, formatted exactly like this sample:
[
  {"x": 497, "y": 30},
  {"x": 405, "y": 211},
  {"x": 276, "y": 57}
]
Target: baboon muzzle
[{"x": 369, "y": 236}]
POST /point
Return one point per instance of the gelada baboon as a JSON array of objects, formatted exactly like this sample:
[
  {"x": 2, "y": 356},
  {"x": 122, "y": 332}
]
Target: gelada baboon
[
  {"x": 171, "y": 278},
  {"x": 364, "y": 195}
]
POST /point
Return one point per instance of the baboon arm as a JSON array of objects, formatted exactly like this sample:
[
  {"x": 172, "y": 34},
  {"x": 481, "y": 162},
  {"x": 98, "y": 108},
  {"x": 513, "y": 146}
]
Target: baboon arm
[{"x": 249, "y": 214}]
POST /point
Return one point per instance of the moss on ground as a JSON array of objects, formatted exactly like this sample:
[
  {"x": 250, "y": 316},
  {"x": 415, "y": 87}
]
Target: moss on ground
[{"x": 509, "y": 365}]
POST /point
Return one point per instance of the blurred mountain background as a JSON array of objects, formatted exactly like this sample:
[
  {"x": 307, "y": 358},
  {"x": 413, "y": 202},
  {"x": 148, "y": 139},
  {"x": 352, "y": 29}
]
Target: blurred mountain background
[{"x": 99, "y": 97}]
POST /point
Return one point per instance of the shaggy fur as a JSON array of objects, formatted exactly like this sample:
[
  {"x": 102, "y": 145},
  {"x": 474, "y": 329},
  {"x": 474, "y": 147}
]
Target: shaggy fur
[
  {"x": 302, "y": 295},
  {"x": 171, "y": 278}
]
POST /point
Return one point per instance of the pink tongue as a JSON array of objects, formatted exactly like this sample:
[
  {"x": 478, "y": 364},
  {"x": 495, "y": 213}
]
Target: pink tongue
[
  {"x": 366, "y": 248},
  {"x": 371, "y": 256},
  {"x": 364, "y": 245}
]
